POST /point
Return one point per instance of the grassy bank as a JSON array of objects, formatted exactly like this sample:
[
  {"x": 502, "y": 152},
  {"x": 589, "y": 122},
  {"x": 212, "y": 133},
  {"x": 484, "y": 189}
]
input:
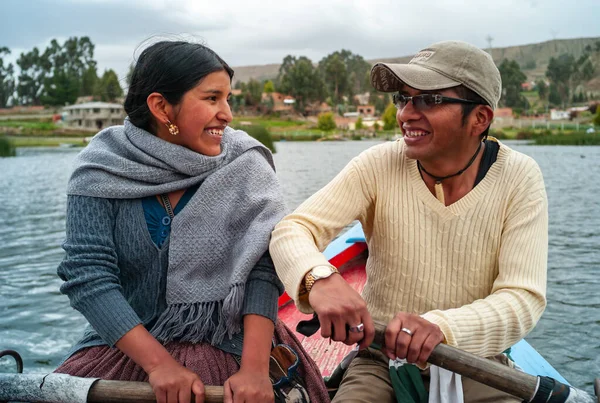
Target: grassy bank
[
  {"x": 571, "y": 139},
  {"x": 7, "y": 148},
  {"x": 43, "y": 132},
  {"x": 46, "y": 141},
  {"x": 39, "y": 128}
]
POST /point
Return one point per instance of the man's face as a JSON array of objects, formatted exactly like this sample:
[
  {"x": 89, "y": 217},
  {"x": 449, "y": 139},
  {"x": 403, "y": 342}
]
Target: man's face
[{"x": 435, "y": 133}]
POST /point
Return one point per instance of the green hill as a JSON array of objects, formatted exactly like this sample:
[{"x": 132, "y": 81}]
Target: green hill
[{"x": 533, "y": 59}]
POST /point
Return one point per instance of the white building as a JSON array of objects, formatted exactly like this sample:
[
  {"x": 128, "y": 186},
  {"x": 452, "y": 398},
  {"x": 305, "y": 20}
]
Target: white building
[
  {"x": 555, "y": 114},
  {"x": 94, "y": 115}
]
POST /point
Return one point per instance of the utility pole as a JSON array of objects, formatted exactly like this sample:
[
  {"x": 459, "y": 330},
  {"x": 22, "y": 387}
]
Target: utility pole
[{"x": 489, "y": 40}]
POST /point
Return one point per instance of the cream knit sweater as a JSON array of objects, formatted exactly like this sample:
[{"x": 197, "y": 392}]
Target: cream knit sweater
[{"x": 476, "y": 268}]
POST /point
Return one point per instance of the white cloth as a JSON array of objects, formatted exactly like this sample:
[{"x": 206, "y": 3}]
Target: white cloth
[{"x": 445, "y": 386}]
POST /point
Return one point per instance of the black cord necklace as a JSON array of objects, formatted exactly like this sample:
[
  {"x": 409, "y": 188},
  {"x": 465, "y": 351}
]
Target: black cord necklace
[
  {"x": 439, "y": 191},
  {"x": 439, "y": 179}
]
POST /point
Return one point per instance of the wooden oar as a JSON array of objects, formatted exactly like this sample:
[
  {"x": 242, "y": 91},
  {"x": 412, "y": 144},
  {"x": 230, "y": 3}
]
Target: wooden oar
[
  {"x": 525, "y": 386},
  {"x": 138, "y": 392},
  {"x": 72, "y": 389}
]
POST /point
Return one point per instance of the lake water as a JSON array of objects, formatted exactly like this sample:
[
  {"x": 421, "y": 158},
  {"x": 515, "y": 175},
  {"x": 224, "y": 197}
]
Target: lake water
[{"x": 37, "y": 321}]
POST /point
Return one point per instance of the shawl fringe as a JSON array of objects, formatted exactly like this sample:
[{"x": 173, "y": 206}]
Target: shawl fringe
[{"x": 195, "y": 322}]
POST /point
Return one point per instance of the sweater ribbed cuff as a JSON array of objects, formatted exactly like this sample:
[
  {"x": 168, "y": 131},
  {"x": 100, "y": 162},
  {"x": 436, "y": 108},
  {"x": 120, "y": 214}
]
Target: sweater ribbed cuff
[
  {"x": 260, "y": 298},
  {"x": 109, "y": 314},
  {"x": 449, "y": 336}
]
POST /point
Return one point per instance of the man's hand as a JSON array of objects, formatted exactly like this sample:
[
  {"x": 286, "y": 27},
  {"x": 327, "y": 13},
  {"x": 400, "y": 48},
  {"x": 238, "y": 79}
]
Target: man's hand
[
  {"x": 339, "y": 308},
  {"x": 410, "y": 337}
]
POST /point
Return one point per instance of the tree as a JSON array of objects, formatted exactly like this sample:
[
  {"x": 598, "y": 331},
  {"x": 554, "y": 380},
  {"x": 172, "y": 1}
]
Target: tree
[
  {"x": 299, "y": 78},
  {"x": 326, "y": 122},
  {"x": 70, "y": 62},
  {"x": 512, "y": 78},
  {"x": 554, "y": 97},
  {"x": 345, "y": 74},
  {"x": 560, "y": 71},
  {"x": 33, "y": 70},
  {"x": 359, "y": 123},
  {"x": 268, "y": 87},
  {"x": 56, "y": 76},
  {"x": 89, "y": 81},
  {"x": 335, "y": 74},
  {"x": 583, "y": 71},
  {"x": 7, "y": 80},
  {"x": 253, "y": 92},
  {"x": 108, "y": 88},
  {"x": 542, "y": 89},
  {"x": 389, "y": 117}
]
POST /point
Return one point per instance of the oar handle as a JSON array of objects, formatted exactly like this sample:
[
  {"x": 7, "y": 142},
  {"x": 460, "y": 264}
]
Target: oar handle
[
  {"x": 485, "y": 371},
  {"x": 138, "y": 392}
]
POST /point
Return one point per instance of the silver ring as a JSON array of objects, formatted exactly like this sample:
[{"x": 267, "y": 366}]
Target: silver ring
[
  {"x": 357, "y": 329},
  {"x": 407, "y": 331}
]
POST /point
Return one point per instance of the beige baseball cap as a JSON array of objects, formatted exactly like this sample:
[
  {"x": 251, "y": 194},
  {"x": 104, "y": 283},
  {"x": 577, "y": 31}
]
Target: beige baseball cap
[{"x": 443, "y": 65}]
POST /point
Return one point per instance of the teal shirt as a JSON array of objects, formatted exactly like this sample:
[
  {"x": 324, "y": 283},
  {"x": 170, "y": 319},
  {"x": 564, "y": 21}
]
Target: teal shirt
[{"x": 157, "y": 218}]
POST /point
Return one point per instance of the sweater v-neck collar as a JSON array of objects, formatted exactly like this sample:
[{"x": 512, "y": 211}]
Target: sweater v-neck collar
[{"x": 475, "y": 195}]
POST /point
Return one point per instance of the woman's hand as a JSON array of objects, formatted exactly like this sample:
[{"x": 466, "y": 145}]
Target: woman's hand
[
  {"x": 248, "y": 387},
  {"x": 173, "y": 383},
  {"x": 170, "y": 381}
]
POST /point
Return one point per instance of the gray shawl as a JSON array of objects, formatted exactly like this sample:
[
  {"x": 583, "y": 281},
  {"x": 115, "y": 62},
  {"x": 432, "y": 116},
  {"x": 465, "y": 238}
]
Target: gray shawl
[{"x": 219, "y": 235}]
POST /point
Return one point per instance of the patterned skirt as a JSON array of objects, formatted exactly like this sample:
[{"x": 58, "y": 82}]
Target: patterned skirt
[{"x": 214, "y": 366}]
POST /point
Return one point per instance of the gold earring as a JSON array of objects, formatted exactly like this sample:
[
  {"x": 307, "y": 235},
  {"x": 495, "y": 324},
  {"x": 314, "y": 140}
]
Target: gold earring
[{"x": 174, "y": 130}]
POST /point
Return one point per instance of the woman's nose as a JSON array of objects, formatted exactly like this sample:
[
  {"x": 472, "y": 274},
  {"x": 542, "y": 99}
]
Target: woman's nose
[{"x": 225, "y": 113}]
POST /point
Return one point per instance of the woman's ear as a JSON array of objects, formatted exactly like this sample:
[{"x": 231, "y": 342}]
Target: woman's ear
[
  {"x": 482, "y": 119},
  {"x": 160, "y": 108}
]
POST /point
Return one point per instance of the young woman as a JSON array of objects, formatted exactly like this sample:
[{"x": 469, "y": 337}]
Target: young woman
[{"x": 168, "y": 224}]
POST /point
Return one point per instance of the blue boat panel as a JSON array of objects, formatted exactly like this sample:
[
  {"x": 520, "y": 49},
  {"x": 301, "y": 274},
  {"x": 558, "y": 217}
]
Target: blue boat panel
[
  {"x": 355, "y": 234},
  {"x": 532, "y": 362},
  {"x": 344, "y": 241}
]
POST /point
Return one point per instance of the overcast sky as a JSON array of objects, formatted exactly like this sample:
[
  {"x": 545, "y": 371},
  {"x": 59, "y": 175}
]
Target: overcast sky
[{"x": 248, "y": 32}]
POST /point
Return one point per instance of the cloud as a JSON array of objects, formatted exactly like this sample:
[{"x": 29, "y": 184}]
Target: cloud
[{"x": 257, "y": 32}]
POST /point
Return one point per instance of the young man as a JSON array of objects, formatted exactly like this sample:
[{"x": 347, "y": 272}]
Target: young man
[{"x": 457, "y": 229}]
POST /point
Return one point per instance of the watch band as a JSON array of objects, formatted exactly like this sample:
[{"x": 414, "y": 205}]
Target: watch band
[{"x": 309, "y": 279}]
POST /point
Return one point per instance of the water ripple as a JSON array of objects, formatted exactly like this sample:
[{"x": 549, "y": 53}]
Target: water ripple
[{"x": 36, "y": 319}]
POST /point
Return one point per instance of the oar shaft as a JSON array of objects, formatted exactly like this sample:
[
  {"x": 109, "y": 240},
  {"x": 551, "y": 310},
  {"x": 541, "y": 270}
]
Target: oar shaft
[
  {"x": 498, "y": 376},
  {"x": 138, "y": 392},
  {"x": 491, "y": 373}
]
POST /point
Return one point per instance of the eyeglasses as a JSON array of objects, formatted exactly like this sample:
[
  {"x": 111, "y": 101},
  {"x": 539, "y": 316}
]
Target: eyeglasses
[{"x": 425, "y": 102}]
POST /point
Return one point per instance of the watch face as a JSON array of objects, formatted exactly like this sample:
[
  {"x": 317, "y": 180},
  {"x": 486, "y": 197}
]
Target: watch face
[{"x": 321, "y": 272}]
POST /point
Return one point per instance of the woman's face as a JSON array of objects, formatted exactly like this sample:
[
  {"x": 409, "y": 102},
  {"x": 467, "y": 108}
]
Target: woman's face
[{"x": 202, "y": 115}]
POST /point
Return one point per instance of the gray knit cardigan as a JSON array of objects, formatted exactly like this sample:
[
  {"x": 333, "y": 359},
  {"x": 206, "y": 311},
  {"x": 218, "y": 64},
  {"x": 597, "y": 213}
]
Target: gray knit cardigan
[{"x": 115, "y": 275}]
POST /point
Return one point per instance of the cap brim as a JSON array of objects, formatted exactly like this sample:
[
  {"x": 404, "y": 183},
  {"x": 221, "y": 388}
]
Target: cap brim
[{"x": 388, "y": 77}]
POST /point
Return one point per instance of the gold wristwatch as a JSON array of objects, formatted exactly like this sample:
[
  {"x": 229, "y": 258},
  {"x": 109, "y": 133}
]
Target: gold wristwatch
[{"x": 317, "y": 273}]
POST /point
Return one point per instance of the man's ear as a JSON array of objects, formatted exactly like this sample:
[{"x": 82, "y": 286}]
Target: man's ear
[
  {"x": 160, "y": 108},
  {"x": 482, "y": 118}
]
